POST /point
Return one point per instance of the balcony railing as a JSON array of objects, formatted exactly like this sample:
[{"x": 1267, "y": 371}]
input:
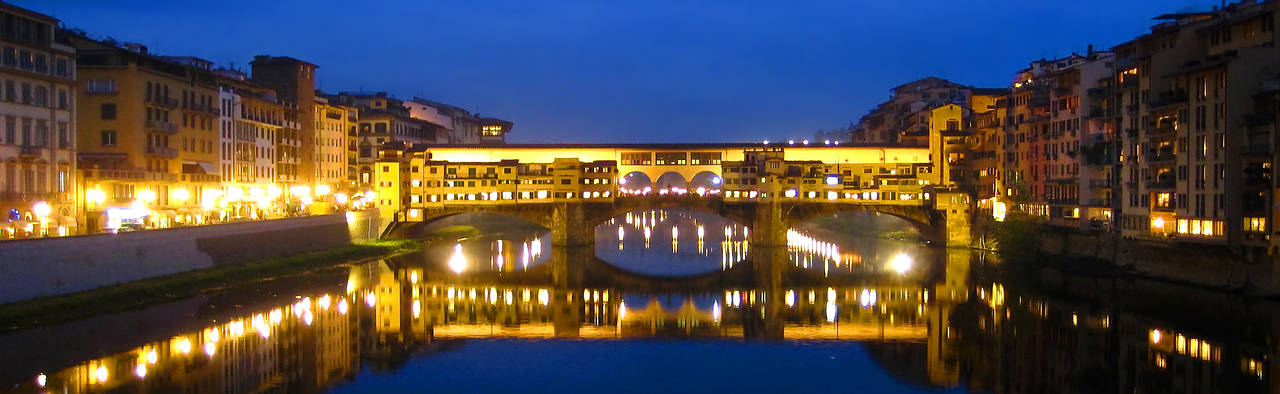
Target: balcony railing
[
  {"x": 1161, "y": 183},
  {"x": 29, "y": 151},
  {"x": 1262, "y": 149},
  {"x": 201, "y": 178},
  {"x": 209, "y": 109},
  {"x": 129, "y": 175},
  {"x": 21, "y": 197},
  {"x": 1168, "y": 98},
  {"x": 164, "y": 102},
  {"x": 1163, "y": 128},
  {"x": 163, "y": 127},
  {"x": 1161, "y": 155},
  {"x": 1100, "y": 183},
  {"x": 162, "y": 152}
]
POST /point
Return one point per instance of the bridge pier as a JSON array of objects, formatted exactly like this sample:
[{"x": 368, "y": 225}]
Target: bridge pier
[
  {"x": 769, "y": 225},
  {"x": 954, "y": 207},
  {"x": 570, "y": 225}
]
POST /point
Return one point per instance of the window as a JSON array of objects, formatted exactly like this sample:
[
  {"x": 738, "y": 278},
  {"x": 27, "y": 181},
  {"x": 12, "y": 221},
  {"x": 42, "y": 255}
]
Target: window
[
  {"x": 102, "y": 86},
  {"x": 108, "y": 138},
  {"x": 41, "y": 96},
  {"x": 108, "y": 111},
  {"x": 62, "y": 68}
]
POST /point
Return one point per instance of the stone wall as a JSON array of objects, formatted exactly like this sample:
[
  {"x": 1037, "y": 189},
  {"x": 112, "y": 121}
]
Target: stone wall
[
  {"x": 1185, "y": 262},
  {"x": 53, "y": 266}
]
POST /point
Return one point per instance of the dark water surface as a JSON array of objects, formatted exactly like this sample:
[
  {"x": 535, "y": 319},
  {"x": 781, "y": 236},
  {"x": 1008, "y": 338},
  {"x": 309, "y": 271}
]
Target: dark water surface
[{"x": 691, "y": 307}]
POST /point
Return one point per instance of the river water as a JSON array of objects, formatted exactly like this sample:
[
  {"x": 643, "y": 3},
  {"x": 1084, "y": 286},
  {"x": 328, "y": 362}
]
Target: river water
[{"x": 671, "y": 301}]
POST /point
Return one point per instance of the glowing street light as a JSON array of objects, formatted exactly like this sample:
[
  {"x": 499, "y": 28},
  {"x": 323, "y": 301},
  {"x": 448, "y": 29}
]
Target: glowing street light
[
  {"x": 95, "y": 196},
  {"x": 180, "y": 195},
  {"x": 42, "y": 209},
  {"x": 323, "y": 190},
  {"x": 340, "y": 198},
  {"x": 147, "y": 196}
]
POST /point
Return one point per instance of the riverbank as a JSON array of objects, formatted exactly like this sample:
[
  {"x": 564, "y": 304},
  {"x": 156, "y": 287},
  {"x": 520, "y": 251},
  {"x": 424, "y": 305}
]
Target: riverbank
[
  {"x": 131, "y": 295},
  {"x": 1210, "y": 267}
]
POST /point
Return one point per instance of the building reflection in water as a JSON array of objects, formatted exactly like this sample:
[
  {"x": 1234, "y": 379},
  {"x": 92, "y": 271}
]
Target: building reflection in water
[{"x": 943, "y": 327}]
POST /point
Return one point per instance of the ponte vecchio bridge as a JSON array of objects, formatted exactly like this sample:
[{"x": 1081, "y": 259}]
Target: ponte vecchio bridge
[{"x": 572, "y": 188}]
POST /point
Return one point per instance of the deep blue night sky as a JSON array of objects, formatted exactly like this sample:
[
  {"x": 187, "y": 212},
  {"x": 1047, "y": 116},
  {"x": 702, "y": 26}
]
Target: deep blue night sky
[{"x": 632, "y": 71}]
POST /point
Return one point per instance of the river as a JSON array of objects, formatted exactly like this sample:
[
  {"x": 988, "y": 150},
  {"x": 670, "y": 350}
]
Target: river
[{"x": 673, "y": 301}]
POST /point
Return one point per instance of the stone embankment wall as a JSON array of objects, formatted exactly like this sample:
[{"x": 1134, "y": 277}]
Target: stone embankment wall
[
  {"x": 1196, "y": 264},
  {"x": 53, "y": 266}
]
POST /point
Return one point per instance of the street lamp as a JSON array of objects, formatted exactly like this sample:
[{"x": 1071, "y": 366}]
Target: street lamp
[
  {"x": 95, "y": 196},
  {"x": 147, "y": 196},
  {"x": 322, "y": 190},
  {"x": 42, "y": 211},
  {"x": 180, "y": 195}
]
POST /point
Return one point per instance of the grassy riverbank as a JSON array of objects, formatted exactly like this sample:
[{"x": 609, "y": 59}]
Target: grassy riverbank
[{"x": 125, "y": 296}]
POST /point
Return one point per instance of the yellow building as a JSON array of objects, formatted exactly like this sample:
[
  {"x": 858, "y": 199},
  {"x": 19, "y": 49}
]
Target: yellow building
[
  {"x": 335, "y": 125},
  {"x": 148, "y": 141},
  {"x": 37, "y": 139}
]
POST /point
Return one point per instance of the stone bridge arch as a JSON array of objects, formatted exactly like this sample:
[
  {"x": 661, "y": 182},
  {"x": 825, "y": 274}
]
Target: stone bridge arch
[{"x": 930, "y": 223}]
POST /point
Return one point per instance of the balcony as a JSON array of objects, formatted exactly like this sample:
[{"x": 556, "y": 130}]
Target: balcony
[
  {"x": 163, "y": 127},
  {"x": 164, "y": 102},
  {"x": 1100, "y": 183},
  {"x": 1166, "y": 182},
  {"x": 1255, "y": 181},
  {"x": 1099, "y": 92},
  {"x": 162, "y": 152},
  {"x": 1164, "y": 128},
  {"x": 1257, "y": 149},
  {"x": 20, "y": 197},
  {"x": 28, "y": 151},
  {"x": 1131, "y": 82},
  {"x": 1132, "y": 133},
  {"x": 201, "y": 178},
  {"x": 1131, "y": 108},
  {"x": 1098, "y": 202},
  {"x": 1168, "y": 98},
  {"x": 208, "y": 109},
  {"x": 129, "y": 175},
  {"x": 1157, "y": 155}
]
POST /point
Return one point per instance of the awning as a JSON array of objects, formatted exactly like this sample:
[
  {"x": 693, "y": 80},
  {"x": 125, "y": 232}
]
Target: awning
[{"x": 199, "y": 167}]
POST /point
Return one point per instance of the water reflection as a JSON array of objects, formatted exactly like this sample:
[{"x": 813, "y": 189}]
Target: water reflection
[
  {"x": 672, "y": 242},
  {"x": 953, "y": 321},
  {"x": 492, "y": 256}
]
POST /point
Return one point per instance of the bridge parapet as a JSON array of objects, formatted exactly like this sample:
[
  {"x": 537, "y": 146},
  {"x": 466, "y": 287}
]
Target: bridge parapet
[{"x": 574, "y": 223}]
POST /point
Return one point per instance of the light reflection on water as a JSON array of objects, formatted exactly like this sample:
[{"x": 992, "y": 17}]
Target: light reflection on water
[
  {"x": 669, "y": 242},
  {"x": 934, "y": 324},
  {"x": 495, "y": 256}
]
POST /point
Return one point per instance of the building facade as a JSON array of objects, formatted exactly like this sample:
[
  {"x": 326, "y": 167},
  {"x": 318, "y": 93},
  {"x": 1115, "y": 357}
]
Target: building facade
[
  {"x": 37, "y": 144},
  {"x": 149, "y": 135}
]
